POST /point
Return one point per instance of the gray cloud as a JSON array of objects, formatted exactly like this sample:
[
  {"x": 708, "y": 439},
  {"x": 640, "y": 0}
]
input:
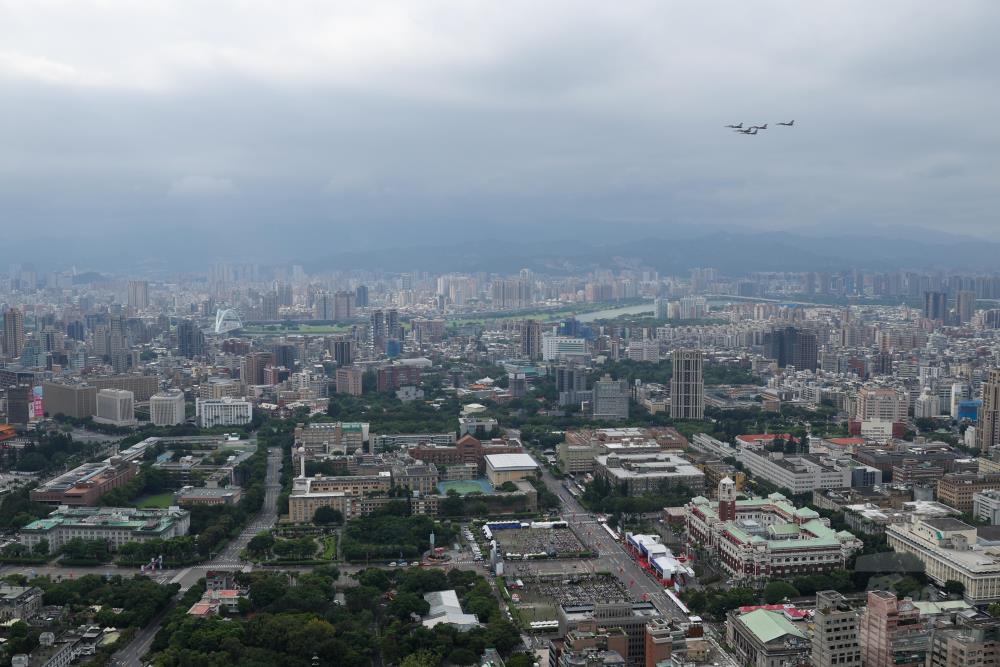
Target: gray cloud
[{"x": 416, "y": 113}]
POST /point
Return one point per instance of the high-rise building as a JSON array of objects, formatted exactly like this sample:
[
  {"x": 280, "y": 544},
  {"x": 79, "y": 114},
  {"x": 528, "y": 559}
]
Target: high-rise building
[
  {"x": 349, "y": 380},
  {"x": 138, "y": 294},
  {"x": 793, "y": 346},
  {"x": 269, "y": 307},
  {"x": 18, "y": 400},
  {"x": 531, "y": 339},
  {"x": 254, "y": 365},
  {"x": 377, "y": 329},
  {"x": 965, "y": 306},
  {"x": 392, "y": 326},
  {"x": 343, "y": 306},
  {"x": 571, "y": 385},
  {"x": 117, "y": 344},
  {"x": 343, "y": 351},
  {"x": 167, "y": 408},
  {"x": 687, "y": 386},
  {"x": 988, "y": 425},
  {"x": 361, "y": 296},
  {"x": 835, "y": 632},
  {"x": 116, "y": 407},
  {"x": 936, "y": 305},
  {"x": 190, "y": 339},
  {"x": 223, "y": 412},
  {"x": 323, "y": 307},
  {"x": 890, "y": 632},
  {"x": 73, "y": 400},
  {"x": 610, "y": 399},
  {"x": 13, "y": 333}
]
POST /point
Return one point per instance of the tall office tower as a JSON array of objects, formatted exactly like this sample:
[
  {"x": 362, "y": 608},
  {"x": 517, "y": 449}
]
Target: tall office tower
[
  {"x": 323, "y": 307},
  {"x": 610, "y": 399},
  {"x": 792, "y": 346},
  {"x": 115, "y": 406},
  {"x": 531, "y": 339},
  {"x": 988, "y": 426},
  {"x": 343, "y": 351},
  {"x": 343, "y": 306},
  {"x": 965, "y": 306},
  {"x": 392, "y": 327},
  {"x": 138, "y": 294},
  {"x": 835, "y": 632},
  {"x": 117, "y": 344},
  {"x": 190, "y": 339},
  {"x": 13, "y": 333},
  {"x": 687, "y": 386},
  {"x": 269, "y": 307},
  {"x": 167, "y": 408},
  {"x": 511, "y": 294},
  {"x": 571, "y": 385},
  {"x": 935, "y": 305},
  {"x": 18, "y": 400},
  {"x": 377, "y": 331},
  {"x": 285, "y": 355},
  {"x": 361, "y": 296},
  {"x": 254, "y": 365},
  {"x": 285, "y": 295}
]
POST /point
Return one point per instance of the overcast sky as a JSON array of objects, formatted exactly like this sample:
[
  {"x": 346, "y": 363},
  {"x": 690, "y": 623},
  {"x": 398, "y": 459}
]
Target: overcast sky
[{"x": 307, "y": 118}]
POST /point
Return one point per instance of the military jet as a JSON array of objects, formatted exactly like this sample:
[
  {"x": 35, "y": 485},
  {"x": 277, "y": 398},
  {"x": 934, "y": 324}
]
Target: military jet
[
  {"x": 737, "y": 127},
  {"x": 788, "y": 124}
]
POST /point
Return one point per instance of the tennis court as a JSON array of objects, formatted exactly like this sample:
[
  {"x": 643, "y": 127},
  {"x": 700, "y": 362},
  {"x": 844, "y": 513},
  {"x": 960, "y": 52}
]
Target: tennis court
[{"x": 464, "y": 486}]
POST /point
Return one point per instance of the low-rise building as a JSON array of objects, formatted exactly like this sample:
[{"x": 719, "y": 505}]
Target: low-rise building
[
  {"x": 763, "y": 538},
  {"x": 636, "y": 474},
  {"x": 958, "y": 489},
  {"x": 85, "y": 484},
  {"x": 801, "y": 473},
  {"x": 208, "y": 495},
  {"x": 631, "y": 618},
  {"x": 951, "y": 551},
  {"x": 332, "y": 437},
  {"x": 986, "y": 506},
  {"x": 19, "y": 602},
  {"x": 765, "y": 638},
  {"x": 502, "y": 468},
  {"x": 113, "y": 525},
  {"x": 115, "y": 407}
]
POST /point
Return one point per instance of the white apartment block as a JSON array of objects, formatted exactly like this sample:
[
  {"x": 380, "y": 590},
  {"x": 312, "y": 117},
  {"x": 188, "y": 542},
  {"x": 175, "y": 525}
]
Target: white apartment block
[
  {"x": 556, "y": 348},
  {"x": 167, "y": 408},
  {"x": 115, "y": 406},
  {"x": 223, "y": 412}
]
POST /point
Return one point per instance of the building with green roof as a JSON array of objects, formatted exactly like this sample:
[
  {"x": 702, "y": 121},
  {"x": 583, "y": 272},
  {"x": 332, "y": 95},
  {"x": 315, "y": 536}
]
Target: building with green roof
[
  {"x": 769, "y": 537},
  {"x": 766, "y": 638}
]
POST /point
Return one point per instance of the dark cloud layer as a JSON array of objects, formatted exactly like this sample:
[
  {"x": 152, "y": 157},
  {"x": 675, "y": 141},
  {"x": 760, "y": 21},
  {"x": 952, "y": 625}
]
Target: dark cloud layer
[{"x": 270, "y": 122}]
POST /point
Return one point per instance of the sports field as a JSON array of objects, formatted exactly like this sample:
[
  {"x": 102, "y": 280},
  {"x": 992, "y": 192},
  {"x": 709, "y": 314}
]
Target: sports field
[{"x": 464, "y": 486}]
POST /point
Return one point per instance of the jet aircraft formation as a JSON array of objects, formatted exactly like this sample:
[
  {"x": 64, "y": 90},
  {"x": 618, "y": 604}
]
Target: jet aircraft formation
[{"x": 753, "y": 129}]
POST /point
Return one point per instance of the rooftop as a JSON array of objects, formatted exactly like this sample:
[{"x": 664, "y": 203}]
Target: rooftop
[{"x": 511, "y": 462}]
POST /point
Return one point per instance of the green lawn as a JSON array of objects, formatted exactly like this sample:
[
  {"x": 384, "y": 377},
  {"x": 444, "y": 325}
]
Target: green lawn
[
  {"x": 329, "y": 547},
  {"x": 159, "y": 500}
]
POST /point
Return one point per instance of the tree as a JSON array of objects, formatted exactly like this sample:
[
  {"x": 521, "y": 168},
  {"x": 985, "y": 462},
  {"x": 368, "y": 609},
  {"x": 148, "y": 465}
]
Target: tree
[
  {"x": 327, "y": 515},
  {"x": 41, "y": 548},
  {"x": 776, "y": 591},
  {"x": 260, "y": 544},
  {"x": 952, "y": 587}
]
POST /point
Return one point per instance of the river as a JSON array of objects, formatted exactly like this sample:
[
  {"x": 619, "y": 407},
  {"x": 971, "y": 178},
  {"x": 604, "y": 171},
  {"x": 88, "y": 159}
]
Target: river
[{"x": 612, "y": 313}]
